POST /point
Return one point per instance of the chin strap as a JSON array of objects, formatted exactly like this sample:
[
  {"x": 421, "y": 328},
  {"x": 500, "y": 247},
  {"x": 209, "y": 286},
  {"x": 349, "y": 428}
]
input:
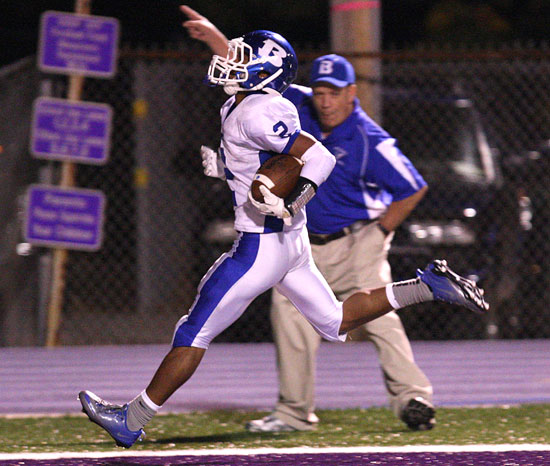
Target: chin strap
[
  {"x": 231, "y": 89},
  {"x": 302, "y": 193}
]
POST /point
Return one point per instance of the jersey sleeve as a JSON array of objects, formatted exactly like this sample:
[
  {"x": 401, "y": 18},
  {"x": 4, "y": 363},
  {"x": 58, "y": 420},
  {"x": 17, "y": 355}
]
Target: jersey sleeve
[
  {"x": 392, "y": 171},
  {"x": 273, "y": 125}
]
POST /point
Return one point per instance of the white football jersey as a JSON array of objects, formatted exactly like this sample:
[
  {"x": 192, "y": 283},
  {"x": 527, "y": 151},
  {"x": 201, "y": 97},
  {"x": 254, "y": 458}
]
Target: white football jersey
[{"x": 262, "y": 125}]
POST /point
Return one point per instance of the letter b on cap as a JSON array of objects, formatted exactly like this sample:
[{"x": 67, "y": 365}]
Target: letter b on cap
[{"x": 325, "y": 67}]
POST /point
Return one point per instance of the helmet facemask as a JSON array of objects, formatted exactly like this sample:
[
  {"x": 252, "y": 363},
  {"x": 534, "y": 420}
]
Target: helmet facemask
[
  {"x": 241, "y": 69},
  {"x": 231, "y": 70}
]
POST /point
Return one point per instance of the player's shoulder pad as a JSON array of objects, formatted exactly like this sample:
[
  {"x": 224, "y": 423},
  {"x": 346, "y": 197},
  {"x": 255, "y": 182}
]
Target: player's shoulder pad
[{"x": 268, "y": 110}]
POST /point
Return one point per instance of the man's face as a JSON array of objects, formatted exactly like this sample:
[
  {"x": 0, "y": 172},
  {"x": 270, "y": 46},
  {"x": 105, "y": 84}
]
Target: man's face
[{"x": 333, "y": 104}]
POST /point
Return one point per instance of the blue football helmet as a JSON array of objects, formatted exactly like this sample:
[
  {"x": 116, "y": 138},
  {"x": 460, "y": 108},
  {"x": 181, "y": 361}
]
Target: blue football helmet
[{"x": 257, "y": 60}]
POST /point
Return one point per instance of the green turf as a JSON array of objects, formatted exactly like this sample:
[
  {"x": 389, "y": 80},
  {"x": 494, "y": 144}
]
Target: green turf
[{"x": 225, "y": 429}]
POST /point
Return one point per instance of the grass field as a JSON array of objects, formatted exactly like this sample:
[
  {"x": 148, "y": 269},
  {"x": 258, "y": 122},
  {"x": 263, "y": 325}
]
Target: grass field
[{"x": 339, "y": 428}]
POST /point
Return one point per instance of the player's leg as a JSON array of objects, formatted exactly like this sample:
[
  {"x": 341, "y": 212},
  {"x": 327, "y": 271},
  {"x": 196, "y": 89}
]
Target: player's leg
[
  {"x": 175, "y": 369},
  {"x": 436, "y": 282},
  {"x": 308, "y": 290},
  {"x": 353, "y": 262},
  {"x": 363, "y": 307},
  {"x": 367, "y": 305},
  {"x": 223, "y": 295},
  {"x": 310, "y": 293},
  {"x": 296, "y": 343}
]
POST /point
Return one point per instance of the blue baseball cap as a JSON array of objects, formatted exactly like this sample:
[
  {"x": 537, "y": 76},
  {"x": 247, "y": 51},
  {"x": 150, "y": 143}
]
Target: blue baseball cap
[{"x": 332, "y": 69}]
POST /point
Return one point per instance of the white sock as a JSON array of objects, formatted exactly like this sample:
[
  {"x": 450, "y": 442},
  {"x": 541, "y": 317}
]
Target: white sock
[
  {"x": 149, "y": 402},
  {"x": 405, "y": 293},
  {"x": 140, "y": 411}
]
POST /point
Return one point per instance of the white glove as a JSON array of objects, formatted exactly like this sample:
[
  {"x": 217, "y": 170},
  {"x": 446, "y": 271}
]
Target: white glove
[
  {"x": 212, "y": 163},
  {"x": 272, "y": 205}
]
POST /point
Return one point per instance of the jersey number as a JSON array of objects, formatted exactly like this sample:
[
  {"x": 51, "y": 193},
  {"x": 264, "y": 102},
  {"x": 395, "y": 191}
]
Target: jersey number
[{"x": 284, "y": 132}]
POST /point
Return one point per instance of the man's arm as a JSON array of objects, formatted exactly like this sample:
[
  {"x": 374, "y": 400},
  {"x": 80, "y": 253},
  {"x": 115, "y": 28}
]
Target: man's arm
[
  {"x": 202, "y": 29},
  {"x": 398, "y": 211}
]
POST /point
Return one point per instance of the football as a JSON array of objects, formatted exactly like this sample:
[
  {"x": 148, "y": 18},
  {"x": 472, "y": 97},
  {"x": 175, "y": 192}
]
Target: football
[{"x": 279, "y": 173}]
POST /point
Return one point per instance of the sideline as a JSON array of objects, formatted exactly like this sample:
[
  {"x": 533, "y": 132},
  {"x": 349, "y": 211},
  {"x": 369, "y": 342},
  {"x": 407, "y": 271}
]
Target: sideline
[{"x": 282, "y": 451}]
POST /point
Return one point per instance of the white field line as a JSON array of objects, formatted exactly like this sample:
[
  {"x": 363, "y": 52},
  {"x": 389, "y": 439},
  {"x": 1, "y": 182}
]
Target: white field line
[{"x": 281, "y": 451}]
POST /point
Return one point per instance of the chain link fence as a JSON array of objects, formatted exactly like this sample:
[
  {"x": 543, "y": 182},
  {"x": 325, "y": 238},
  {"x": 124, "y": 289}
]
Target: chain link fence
[{"x": 475, "y": 123}]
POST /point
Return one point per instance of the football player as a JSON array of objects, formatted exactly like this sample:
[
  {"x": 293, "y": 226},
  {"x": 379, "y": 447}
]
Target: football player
[
  {"x": 272, "y": 248},
  {"x": 350, "y": 222}
]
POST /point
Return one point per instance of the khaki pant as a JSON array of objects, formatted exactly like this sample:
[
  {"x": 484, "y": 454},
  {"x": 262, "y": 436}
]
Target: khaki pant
[{"x": 351, "y": 263}]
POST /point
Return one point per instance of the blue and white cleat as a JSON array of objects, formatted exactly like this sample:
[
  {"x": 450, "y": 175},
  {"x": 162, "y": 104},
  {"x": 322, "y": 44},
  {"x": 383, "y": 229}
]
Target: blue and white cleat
[
  {"x": 450, "y": 287},
  {"x": 110, "y": 417}
]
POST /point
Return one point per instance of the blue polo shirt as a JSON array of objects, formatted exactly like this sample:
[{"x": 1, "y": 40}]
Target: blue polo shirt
[{"x": 370, "y": 172}]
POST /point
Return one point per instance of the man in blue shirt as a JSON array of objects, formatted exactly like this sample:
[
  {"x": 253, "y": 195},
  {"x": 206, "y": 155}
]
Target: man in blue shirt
[{"x": 351, "y": 220}]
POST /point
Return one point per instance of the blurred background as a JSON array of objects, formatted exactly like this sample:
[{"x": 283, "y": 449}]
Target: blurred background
[
  {"x": 404, "y": 22},
  {"x": 462, "y": 85}
]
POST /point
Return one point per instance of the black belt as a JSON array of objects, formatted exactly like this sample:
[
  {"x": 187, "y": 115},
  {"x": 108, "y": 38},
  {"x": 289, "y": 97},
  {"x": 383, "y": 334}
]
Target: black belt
[{"x": 324, "y": 239}]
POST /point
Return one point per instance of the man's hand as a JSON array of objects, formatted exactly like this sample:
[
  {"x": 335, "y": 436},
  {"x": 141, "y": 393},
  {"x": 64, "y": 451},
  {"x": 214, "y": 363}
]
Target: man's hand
[
  {"x": 212, "y": 163},
  {"x": 272, "y": 205},
  {"x": 200, "y": 28}
]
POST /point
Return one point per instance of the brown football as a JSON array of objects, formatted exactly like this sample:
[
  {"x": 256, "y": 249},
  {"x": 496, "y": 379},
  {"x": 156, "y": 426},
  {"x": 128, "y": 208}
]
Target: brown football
[{"x": 279, "y": 173}]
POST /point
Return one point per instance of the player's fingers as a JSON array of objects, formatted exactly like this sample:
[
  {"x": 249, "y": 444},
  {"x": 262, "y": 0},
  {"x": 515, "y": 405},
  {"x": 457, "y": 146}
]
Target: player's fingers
[
  {"x": 254, "y": 202},
  {"x": 191, "y": 14},
  {"x": 192, "y": 29},
  {"x": 265, "y": 190},
  {"x": 269, "y": 197},
  {"x": 207, "y": 153}
]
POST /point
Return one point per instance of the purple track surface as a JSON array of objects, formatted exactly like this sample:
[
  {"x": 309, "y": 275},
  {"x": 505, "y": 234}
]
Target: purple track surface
[
  {"x": 243, "y": 376},
  {"x": 510, "y": 458}
]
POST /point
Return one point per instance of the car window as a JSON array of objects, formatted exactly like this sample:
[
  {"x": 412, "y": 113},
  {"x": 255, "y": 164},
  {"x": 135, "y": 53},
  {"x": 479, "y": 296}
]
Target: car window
[{"x": 440, "y": 134}]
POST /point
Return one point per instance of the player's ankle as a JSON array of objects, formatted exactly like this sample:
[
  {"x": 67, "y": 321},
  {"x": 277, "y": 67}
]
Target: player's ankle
[{"x": 405, "y": 293}]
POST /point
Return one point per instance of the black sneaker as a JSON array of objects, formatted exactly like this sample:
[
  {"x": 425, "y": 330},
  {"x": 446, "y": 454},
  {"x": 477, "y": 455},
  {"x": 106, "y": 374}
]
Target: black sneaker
[{"x": 419, "y": 414}]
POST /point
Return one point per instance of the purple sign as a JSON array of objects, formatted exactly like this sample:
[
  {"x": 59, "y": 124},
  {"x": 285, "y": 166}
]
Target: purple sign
[
  {"x": 78, "y": 44},
  {"x": 71, "y": 131},
  {"x": 66, "y": 218}
]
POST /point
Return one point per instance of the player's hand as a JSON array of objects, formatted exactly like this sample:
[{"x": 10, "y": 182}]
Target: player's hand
[
  {"x": 200, "y": 28},
  {"x": 197, "y": 25},
  {"x": 272, "y": 205},
  {"x": 212, "y": 163}
]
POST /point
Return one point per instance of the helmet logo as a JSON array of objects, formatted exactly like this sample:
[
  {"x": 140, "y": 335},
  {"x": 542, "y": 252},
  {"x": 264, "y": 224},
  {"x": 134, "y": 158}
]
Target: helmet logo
[{"x": 272, "y": 52}]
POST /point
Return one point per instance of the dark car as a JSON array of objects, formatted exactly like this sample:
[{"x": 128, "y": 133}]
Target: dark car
[{"x": 476, "y": 213}]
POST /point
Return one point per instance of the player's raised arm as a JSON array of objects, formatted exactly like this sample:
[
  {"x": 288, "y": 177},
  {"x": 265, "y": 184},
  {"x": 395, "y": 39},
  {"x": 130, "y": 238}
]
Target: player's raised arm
[{"x": 200, "y": 28}]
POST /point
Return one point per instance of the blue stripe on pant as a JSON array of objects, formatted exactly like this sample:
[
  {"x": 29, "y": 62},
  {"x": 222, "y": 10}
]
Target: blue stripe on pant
[{"x": 216, "y": 284}]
